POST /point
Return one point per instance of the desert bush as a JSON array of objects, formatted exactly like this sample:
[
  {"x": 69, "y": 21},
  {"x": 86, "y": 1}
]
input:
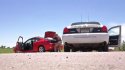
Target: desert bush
[{"x": 122, "y": 48}]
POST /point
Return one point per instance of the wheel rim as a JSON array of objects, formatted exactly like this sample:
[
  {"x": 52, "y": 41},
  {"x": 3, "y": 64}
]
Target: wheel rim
[{"x": 41, "y": 49}]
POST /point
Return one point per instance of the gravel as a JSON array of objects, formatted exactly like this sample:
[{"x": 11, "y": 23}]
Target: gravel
[{"x": 63, "y": 61}]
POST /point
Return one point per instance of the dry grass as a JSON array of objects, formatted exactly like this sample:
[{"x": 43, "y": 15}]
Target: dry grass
[{"x": 6, "y": 50}]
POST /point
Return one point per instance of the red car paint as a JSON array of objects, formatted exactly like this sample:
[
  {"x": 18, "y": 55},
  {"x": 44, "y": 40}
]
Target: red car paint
[
  {"x": 49, "y": 34},
  {"x": 37, "y": 42},
  {"x": 35, "y": 47}
]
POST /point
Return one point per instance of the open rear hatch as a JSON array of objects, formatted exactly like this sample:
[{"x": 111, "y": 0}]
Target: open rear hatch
[{"x": 49, "y": 34}]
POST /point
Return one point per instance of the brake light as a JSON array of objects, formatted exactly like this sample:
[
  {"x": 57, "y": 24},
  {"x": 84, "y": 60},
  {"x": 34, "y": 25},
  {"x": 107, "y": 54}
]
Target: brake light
[
  {"x": 66, "y": 30},
  {"x": 104, "y": 29}
]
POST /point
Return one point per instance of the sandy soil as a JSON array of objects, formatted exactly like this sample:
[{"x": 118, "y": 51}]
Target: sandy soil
[{"x": 63, "y": 61}]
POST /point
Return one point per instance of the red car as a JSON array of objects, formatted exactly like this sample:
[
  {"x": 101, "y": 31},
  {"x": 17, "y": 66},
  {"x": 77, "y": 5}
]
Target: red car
[{"x": 36, "y": 44}]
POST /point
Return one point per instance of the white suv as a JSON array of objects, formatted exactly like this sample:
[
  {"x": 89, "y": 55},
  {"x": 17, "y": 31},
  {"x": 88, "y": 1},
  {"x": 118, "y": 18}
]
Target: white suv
[{"x": 87, "y": 36}]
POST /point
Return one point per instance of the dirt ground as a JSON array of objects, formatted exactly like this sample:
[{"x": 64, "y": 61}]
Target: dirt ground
[{"x": 63, "y": 61}]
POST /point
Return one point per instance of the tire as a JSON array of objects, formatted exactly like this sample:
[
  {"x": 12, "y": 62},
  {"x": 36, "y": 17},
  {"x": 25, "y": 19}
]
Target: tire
[
  {"x": 100, "y": 49},
  {"x": 105, "y": 48},
  {"x": 41, "y": 49},
  {"x": 74, "y": 49},
  {"x": 66, "y": 48}
]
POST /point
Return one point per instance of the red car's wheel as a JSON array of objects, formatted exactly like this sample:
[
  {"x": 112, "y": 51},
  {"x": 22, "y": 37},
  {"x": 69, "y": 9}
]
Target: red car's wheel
[{"x": 41, "y": 49}]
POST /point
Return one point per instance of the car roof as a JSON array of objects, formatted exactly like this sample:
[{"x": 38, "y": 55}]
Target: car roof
[
  {"x": 36, "y": 37},
  {"x": 79, "y": 23}
]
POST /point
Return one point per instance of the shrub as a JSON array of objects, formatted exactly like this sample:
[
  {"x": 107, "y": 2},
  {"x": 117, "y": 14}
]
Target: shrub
[{"x": 122, "y": 48}]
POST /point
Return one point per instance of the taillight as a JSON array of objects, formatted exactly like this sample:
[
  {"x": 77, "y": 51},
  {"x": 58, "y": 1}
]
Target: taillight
[
  {"x": 66, "y": 30},
  {"x": 104, "y": 29}
]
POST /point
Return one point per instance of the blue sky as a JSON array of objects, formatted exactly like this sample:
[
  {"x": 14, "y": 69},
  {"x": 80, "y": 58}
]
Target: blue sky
[{"x": 31, "y": 18}]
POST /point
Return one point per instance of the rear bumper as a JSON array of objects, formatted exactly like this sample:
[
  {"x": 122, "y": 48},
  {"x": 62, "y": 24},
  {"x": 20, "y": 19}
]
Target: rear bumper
[
  {"x": 85, "y": 38},
  {"x": 86, "y": 45}
]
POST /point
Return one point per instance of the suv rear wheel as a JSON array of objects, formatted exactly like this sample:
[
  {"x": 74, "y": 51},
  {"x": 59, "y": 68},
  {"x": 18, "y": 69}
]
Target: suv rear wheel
[{"x": 104, "y": 48}]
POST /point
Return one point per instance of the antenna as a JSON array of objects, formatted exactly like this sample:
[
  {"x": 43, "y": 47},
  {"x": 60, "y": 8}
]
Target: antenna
[
  {"x": 81, "y": 18},
  {"x": 88, "y": 17}
]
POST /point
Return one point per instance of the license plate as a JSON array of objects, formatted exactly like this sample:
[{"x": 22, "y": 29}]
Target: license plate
[{"x": 85, "y": 30}]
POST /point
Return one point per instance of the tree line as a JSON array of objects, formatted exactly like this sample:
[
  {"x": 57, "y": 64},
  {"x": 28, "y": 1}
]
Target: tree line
[{"x": 2, "y": 46}]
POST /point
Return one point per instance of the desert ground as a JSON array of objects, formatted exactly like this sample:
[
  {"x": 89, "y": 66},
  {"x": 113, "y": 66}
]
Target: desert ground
[{"x": 63, "y": 61}]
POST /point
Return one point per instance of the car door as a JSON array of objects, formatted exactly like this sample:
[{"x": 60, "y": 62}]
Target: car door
[
  {"x": 28, "y": 44},
  {"x": 19, "y": 43},
  {"x": 35, "y": 43},
  {"x": 115, "y": 36}
]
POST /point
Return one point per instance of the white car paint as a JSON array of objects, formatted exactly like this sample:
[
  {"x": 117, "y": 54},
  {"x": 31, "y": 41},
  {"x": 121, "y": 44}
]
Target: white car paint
[
  {"x": 86, "y": 38},
  {"x": 81, "y": 38}
]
